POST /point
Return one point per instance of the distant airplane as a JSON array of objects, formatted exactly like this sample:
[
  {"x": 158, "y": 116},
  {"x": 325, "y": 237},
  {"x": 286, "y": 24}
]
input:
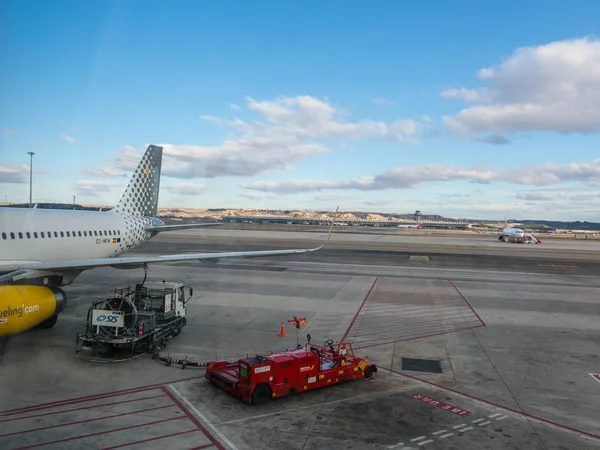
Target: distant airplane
[
  {"x": 508, "y": 232},
  {"x": 516, "y": 235},
  {"x": 42, "y": 250},
  {"x": 420, "y": 225}
]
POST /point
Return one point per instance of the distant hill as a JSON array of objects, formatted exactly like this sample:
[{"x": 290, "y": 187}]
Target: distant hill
[
  {"x": 587, "y": 226},
  {"x": 217, "y": 213}
]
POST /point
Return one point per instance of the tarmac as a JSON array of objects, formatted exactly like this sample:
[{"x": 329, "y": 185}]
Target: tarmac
[{"x": 479, "y": 344}]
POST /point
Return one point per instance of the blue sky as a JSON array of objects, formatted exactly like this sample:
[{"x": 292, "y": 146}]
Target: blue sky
[{"x": 307, "y": 105}]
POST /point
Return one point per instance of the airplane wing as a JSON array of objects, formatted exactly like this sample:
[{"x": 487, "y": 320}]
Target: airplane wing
[
  {"x": 186, "y": 226},
  {"x": 17, "y": 271}
]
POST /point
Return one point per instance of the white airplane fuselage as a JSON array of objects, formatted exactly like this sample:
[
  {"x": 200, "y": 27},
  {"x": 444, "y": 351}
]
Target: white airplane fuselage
[
  {"x": 40, "y": 235},
  {"x": 513, "y": 232}
]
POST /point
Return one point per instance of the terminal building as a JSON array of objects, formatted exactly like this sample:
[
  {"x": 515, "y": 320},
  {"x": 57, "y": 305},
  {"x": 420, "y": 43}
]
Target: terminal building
[{"x": 436, "y": 224}]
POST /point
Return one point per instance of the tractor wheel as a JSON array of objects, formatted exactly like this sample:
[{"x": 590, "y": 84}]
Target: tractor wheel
[
  {"x": 48, "y": 323},
  {"x": 369, "y": 372},
  {"x": 261, "y": 394}
]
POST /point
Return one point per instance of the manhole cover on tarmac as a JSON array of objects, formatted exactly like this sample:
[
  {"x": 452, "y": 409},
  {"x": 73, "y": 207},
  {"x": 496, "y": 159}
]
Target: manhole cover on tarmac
[{"x": 421, "y": 365}]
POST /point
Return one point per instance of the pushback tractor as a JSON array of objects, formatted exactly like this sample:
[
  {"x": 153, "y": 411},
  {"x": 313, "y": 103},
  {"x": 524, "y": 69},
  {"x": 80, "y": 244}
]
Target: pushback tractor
[
  {"x": 134, "y": 322},
  {"x": 258, "y": 378}
]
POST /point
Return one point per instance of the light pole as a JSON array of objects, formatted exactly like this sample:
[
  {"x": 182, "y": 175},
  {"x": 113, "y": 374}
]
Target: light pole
[{"x": 30, "y": 175}]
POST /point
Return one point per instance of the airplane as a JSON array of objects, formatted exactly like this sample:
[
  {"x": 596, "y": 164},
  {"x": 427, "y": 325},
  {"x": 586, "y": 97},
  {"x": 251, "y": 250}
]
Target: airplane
[
  {"x": 42, "y": 250},
  {"x": 510, "y": 233},
  {"x": 420, "y": 225}
]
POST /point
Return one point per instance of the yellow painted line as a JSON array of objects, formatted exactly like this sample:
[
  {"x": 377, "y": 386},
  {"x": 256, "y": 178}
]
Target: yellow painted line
[{"x": 418, "y": 258}]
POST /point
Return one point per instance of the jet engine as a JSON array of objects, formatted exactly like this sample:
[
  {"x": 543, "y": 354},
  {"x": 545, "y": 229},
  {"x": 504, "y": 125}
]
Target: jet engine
[{"x": 24, "y": 307}]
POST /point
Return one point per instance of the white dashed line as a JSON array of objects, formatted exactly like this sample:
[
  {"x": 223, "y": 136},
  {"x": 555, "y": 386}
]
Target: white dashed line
[
  {"x": 501, "y": 417},
  {"x": 426, "y": 442},
  {"x": 485, "y": 423},
  {"x": 443, "y": 436},
  {"x": 494, "y": 415},
  {"x": 396, "y": 445},
  {"x": 439, "y": 432},
  {"x": 465, "y": 429},
  {"x": 459, "y": 426},
  {"x": 478, "y": 420},
  {"x": 420, "y": 438}
]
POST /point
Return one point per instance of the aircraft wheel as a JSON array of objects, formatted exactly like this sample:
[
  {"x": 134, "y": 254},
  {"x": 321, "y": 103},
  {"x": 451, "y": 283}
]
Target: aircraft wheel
[
  {"x": 48, "y": 323},
  {"x": 369, "y": 372}
]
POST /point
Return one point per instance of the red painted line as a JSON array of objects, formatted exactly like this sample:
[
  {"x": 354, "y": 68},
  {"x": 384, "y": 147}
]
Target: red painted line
[
  {"x": 83, "y": 407},
  {"x": 359, "y": 309},
  {"x": 193, "y": 418},
  {"x": 86, "y": 421},
  {"x": 506, "y": 408},
  {"x": 99, "y": 433},
  {"x": 467, "y": 302},
  {"x": 400, "y": 309},
  {"x": 195, "y": 430},
  {"x": 381, "y": 308},
  {"x": 399, "y": 319},
  {"x": 148, "y": 387},
  {"x": 413, "y": 338},
  {"x": 410, "y": 324},
  {"x": 397, "y": 333}
]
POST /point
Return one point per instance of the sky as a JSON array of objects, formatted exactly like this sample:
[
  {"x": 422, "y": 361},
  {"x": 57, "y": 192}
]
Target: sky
[{"x": 463, "y": 108}]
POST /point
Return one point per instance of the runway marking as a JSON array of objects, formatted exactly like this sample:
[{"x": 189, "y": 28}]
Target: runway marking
[
  {"x": 426, "y": 442},
  {"x": 439, "y": 432},
  {"x": 478, "y": 420},
  {"x": 559, "y": 266},
  {"x": 462, "y": 430},
  {"x": 498, "y": 406},
  {"x": 396, "y": 311},
  {"x": 419, "y": 258},
  {"x": 595, "y": 376},
  {"x": 41, "y": 429},
  {"x": 459, "y": 426},
  {"x": 420, "y": 438},
  {"x": 487, "y": 422},
  {"x": 442, "y": 405},
  {"x": 494, "y": 415},
  {"x": 444, "y": 436},
  {"x": 175, "y": 393}
]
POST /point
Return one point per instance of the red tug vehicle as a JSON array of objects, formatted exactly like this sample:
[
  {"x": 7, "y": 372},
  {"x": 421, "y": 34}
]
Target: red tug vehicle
[{"x": 257, "y": 379}]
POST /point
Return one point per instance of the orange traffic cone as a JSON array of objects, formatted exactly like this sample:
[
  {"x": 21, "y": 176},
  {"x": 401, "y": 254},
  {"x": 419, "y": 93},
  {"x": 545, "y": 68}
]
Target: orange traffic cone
[{"x": 282, "y": 332}]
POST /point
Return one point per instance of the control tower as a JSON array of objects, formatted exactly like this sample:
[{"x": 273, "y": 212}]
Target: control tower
[{"x": 418, "y": 216}]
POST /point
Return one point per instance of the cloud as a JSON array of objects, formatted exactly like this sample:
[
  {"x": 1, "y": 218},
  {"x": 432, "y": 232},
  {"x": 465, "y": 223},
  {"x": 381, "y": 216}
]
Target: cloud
[
  {"x": 537, "y": 196},
  {"x": 412, "y": 176},
  {"x": 234, "y": 106},
  {"x": 258, "y": 195},
  {"x": 13, "y": 174},
  {"x": 67, "y": 138},
  {"x": 10, "y": 131},
  {"x": 331, "y": 197},
  {"x": 382, "y": 101},
  {"x": 92, "y": 187},
  {"x": 288, "y": 129},
  {"x": 186, "y": 188},
  {"x": 552, "y": 87}
]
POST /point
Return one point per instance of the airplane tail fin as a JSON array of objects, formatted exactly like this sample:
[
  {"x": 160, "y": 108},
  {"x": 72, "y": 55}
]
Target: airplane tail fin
[{"x": 141, "y": 195}]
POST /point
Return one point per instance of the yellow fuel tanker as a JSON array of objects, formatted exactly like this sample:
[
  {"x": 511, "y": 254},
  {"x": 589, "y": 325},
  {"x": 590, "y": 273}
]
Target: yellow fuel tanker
[{"x": 24, "y": 307}]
